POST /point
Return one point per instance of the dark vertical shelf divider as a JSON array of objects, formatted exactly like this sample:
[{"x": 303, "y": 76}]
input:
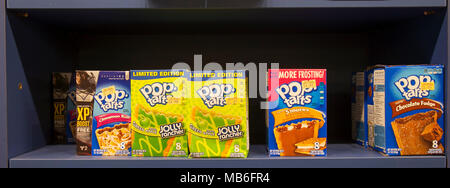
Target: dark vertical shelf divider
[
  {"x": 38, "y": 37},
  {"x": 3, "y": 89},
  {"x": 447, "y": 59}
]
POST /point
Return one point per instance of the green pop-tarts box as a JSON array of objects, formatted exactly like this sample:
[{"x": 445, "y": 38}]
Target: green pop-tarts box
[
  {"x": 158, "y": 117},
  {"x": 218, "y": 121}
]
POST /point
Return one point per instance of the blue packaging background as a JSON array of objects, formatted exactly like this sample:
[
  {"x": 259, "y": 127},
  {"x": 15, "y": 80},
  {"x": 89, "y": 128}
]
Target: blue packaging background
[
  {"x": 317, "y": 103},
  {"x": 120, "y": 84},
  {"x": 70, "y": 107}
]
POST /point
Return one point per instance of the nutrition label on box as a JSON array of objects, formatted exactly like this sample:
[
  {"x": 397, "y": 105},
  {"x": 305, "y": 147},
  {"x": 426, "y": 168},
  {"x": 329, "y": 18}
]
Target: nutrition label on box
[
  {"x": 379, "y": 97},
  {"x": 379, "y": 107}
]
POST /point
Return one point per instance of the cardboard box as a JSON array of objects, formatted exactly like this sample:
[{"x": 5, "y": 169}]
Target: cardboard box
[
  {"x": 409, "y": 109},
  {"x": 111, "y": 129},
  {"x": 218, "y": 114},
  {"x": 368, "y": 107},
  {"x": 359, "y": 131},
  {"x": 103, "y": 112},
  {"x": 353, "y": 105},
  {"x": 71, "y": 111},
  {"x": 86, "y": 84},
  {"x": 159, "y": 113},
  {"x": 297, "y": 112},
  {"x": 60, "y": 82}
]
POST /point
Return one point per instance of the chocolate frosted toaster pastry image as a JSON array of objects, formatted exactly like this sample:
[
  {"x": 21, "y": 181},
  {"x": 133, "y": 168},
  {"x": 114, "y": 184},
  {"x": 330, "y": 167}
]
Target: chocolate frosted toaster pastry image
[
  {"x": 416, "y": 133},
  {"x": 289, "y": 135},
  {"x": 432, "y": 132}
]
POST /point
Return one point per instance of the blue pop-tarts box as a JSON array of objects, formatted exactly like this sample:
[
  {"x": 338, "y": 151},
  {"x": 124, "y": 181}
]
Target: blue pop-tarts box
[
  {"x": 111, "y": 130},
  {"x": 297, "y": 112},
  {"x": 359, "y": 131},
  {"x": 409, "y": 109}
]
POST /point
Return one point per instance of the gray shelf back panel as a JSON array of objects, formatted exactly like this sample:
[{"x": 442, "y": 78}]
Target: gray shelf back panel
[
  {"x": 306, "y": 50},
  {"x": 209, "y": 21},
  {"x": 339, "y": 155},
  {"x": 109, "y": 4},
  {"x": 421, "y": 40}
]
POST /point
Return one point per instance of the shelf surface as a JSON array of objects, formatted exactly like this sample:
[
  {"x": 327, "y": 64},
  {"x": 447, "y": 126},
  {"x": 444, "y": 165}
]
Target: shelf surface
[
  {"x": 323, "y": 3},
  {"x": 120, "y": 4},
  {"x": 339, "y": 155},
  {"x": 103, "y": 4}
]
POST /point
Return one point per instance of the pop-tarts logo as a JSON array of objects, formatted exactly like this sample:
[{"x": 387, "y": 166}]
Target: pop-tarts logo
[
  {"x": 156, "y": 93},
  {"x": 215, "y": 94},
  {"x": 415, "y": 86},
  {"x": 295, "y": 93},
  {"x": 111, "y": 101}
]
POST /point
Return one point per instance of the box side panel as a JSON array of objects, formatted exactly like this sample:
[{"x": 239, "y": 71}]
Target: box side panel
[{"x": 379, "y": 99}]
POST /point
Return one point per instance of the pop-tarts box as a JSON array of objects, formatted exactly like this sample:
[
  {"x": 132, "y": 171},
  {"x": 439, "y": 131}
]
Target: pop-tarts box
[
  {"x": 359, "y": 132},
  {"x": 218, "y": 114},
  {"x": 111, "y": 130},
  {"x": 297, "y": 108},
  {"x": 368, "y": 107},
  {"x": 158, "y": 102},
  {"x": 409, "y": 109}
]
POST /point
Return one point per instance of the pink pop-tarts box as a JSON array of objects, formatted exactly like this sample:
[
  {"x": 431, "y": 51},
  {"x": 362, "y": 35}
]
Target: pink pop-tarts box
[{"x": 296, "y": 115}]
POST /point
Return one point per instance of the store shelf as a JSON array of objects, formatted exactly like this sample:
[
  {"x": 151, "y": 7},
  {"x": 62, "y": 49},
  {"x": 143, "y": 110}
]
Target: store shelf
[
  {"x": 103, "y": 4},
  {"x": 120, "y": 4},
  {"x": 323, "y": 3},
  {"x": 339, "y": 155},
  {"x": 44, "y": 36}
]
